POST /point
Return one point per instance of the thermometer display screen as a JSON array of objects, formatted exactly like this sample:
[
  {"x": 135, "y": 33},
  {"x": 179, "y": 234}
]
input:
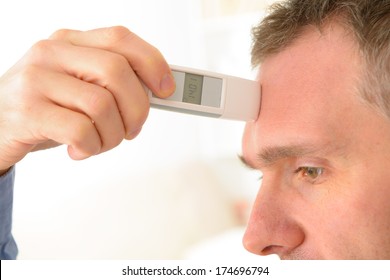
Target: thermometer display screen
[
  {"x": 196, "y": 90},
  {"x": 192, "y": 92}
]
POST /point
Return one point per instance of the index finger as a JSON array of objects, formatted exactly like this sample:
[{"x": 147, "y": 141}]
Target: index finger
[{"x": 147, "y": 61}]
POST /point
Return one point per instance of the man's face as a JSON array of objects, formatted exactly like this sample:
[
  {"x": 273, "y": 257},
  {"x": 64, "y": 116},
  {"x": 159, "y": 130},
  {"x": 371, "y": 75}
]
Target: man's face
[{"x": 324, "y": 155}]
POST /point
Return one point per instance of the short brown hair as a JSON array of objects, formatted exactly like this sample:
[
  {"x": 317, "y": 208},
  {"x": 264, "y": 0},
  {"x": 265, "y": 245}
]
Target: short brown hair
[{"x": 368, "y": 20}]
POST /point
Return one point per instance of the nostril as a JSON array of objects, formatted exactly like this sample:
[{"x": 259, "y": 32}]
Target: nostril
[
  {"x": 266, "y": 250},
  {"x": 272, "y": 249}
]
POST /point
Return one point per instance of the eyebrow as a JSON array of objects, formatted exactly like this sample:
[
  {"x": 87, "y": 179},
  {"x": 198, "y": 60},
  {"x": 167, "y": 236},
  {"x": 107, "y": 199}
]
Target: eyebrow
[{"x": 268, "y": 156}]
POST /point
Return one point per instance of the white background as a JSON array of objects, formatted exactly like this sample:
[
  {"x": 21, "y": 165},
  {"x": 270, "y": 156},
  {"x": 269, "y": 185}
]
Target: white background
[{"x": 178, "y": 190}]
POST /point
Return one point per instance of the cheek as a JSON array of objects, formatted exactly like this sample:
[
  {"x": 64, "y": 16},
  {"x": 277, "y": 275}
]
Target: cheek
[
  {"x": 372, "y": 211},
  {"x": 356, "y": 222},
  {"x": 369, "y": 195},
  {"x": 331, "y": 219},
  {"x": 330, "y": 227}
]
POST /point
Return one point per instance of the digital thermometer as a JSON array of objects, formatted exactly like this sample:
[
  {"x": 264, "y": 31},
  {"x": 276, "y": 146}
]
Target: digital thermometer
[{"x": 211, "y": 94}]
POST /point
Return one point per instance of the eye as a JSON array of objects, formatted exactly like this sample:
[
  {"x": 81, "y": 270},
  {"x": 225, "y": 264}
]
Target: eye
[{"x": 310, "y": 173}]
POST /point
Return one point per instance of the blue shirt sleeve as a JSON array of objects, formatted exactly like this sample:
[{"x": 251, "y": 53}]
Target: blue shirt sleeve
[{"x": 8, "y": 248}]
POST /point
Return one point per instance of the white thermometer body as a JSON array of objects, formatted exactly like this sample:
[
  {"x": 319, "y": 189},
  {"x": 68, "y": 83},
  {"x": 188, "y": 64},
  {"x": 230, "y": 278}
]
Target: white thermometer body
[{"x": 211, "y": 94}]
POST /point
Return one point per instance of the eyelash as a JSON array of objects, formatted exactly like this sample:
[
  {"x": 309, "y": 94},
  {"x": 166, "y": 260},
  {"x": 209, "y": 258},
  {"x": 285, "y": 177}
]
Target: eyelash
[
  {"x": 304, "y": 169},
  {"x": 304, "y": 172}
]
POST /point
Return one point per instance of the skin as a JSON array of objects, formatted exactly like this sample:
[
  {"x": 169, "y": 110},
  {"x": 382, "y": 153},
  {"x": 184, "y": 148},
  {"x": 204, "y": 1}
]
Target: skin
[
  {"x": 312, "y": 116},
  {"x": 81, "y": 89}
]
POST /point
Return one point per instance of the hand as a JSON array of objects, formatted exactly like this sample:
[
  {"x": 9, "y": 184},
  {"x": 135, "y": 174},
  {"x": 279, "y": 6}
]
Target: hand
[{"x": 81, "y": 89}]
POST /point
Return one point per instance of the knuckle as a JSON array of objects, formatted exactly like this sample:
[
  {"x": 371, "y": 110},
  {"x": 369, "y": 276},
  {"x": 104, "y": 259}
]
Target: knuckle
[
  {"x": 100, "y": 103},
  {"x": 156, "y": 56},
  {"x": 27, "y": 86},
  {"x": 75, "y": 135},
  {"x": 115, "y": 34},
  {"x": 143, "y": 115},
  {"x": 138, "y": 119},
  {"x": 116, "y": 66},
  {"x": 60, "y": 34},
  {"x": 40, "y": 52},
  {"x": 114, "y": 140},
  {"x": 80, "y": 136},
  {"x": 41, "y": 47}
]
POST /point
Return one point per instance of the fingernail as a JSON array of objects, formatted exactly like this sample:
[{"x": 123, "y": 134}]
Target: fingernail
[
  {"x": 133, "y": 134},
  {"x": 167, "y": 85}
]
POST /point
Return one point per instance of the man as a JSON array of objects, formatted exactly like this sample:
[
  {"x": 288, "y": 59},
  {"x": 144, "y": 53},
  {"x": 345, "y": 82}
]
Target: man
[{"x": 322, "y": 139}]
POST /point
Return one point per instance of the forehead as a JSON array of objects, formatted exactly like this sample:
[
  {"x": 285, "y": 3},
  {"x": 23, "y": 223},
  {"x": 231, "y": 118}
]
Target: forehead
[{"x": 309, "y": 90}]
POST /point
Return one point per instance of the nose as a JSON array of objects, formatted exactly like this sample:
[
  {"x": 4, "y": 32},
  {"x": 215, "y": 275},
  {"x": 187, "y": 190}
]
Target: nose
[{"x": 271, "y": 228}]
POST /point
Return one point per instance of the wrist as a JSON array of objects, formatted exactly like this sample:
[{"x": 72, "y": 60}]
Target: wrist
[{"x": 3, "y": 171}]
